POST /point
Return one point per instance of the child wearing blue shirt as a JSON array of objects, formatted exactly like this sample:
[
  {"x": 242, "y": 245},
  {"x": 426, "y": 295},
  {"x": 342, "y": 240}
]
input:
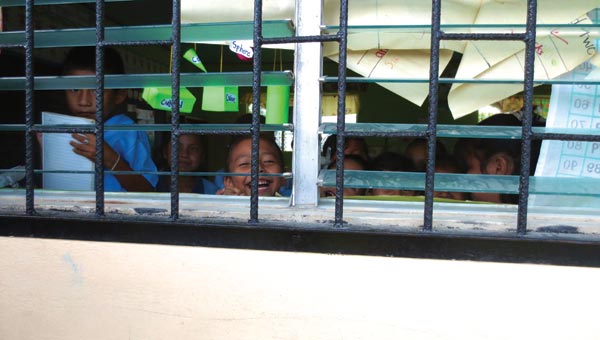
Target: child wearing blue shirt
[
  {"x": 123, "y": 150},
  {"x": 192, "y": 158}
]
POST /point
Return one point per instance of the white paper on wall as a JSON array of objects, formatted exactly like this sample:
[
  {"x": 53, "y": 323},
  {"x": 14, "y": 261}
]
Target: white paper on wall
[
  {"x": 481, "y": 59},
  {"x": 574, "y": 107}
]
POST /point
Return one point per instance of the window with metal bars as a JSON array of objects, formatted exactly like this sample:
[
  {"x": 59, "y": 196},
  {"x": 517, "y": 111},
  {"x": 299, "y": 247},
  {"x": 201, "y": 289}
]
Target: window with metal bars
[{"x": 336, "y": 30}]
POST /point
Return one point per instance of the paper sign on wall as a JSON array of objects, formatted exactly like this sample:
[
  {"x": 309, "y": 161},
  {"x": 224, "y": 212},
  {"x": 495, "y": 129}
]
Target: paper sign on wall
[{"x": 220, "y": 99}]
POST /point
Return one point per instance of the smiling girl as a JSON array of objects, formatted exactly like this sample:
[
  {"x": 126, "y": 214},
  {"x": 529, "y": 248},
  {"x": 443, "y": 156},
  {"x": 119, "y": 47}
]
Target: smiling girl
[{"x": 239, "y": 160}]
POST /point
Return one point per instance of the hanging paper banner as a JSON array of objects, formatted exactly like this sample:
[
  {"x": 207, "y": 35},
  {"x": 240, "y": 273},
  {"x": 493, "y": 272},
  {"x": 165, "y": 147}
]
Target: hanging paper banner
[
  {"x": 191, "y": 56},
  {"x": 220, "y": 99},
  {"x": 278, "y": 98},
  {"x": 160, "y": 98},
  {"x": 242, "y": 48}
]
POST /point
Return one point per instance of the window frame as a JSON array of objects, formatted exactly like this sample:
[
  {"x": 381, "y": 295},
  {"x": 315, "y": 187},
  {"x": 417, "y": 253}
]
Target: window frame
[{"x": 305, "y": 165}]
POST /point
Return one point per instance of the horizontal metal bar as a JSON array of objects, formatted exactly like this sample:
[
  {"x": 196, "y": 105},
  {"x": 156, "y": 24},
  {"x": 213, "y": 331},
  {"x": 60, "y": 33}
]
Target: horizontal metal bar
[
  {"x": 352, "y": 130},
  {"x": 65, "y": 129},
  {"x": 12, "y": 45},
  {"x": 184, "y": 128},
  {"x": 136, "y": 43},
  {"x": 67, "y": 171},
  {"x": 416, "y": 181},
  {"x": 204, "y": 32},
  {"x": 160, "y": 173},
  {"x": 414, "y": 134},
  {"x": 216, "y": 132},
  {"x": 581, "y": 186},
  {"x": 446, "y": 27},
  {"x": 303, "y": 39},
  {"x": 455, "y": 131},
  {"x": 14, "y": 3},
  {"x": 127, "y": 81},
  {"x": 330, "y": 79},
  {"x": 482, "y": 36},
  {"x": 566, "y": 137}
]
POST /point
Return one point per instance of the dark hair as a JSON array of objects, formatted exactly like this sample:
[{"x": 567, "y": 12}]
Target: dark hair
[
  {"x": 84, "y": 58},
  {"x": 391, "y": 161},
  {"x": 440, "y": 148},
  {"x": 166, "y": 139},
  {"x": 331, "y": 143},
  {"x": 449, "y": 163},
  {"x": 237, "y": 140},
  {"x": 246, "y": 118},
  {"x": 484, "y": 148},
  {"x": 354, "y": 158},
  {"x": 462, "y": 149},
  {"x": 421, "y": 143}
]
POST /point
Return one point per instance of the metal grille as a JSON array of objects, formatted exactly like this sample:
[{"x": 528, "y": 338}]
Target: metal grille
[
  {"x": 431, "y": 132},
  {"x": 528, "y": 135}
]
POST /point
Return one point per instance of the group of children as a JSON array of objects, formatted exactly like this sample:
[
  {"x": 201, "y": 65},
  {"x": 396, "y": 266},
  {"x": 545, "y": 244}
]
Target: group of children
[
  {"x": 481, "y": 156},
  {"x": 130, "y": 151}
]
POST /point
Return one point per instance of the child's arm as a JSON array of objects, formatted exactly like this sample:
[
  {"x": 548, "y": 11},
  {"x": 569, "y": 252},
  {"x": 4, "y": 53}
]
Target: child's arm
[{"x": 87, "y": 148}]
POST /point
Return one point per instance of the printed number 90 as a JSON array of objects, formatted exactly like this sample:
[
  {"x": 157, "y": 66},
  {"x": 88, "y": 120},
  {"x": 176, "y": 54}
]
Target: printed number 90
[{"x": 581, "y": 104}]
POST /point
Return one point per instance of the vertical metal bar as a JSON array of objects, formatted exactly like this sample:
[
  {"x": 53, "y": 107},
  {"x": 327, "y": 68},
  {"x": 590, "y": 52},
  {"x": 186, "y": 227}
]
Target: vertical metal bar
[
  {"x": 434, "y": 66},
  {"x": 99, "y": 128},
  {"x": 341, "y": 115},
  {"x": 255, "y": 129},
  {"x": 307, "y": 105},
  {"x": 175, "y": 77},
  {"x": 527, "y": 117},
  {"x": 29, "y": 114}
]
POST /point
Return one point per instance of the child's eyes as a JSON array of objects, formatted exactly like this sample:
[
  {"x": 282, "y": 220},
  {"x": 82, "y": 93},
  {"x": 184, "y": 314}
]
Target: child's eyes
[{"x": 244, "y": 165}]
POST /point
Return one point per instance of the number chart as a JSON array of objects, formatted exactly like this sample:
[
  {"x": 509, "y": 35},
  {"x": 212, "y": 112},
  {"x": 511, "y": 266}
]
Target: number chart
[
  {"x": 581, "y": 109},
  {"x": 573, "y": 107}
]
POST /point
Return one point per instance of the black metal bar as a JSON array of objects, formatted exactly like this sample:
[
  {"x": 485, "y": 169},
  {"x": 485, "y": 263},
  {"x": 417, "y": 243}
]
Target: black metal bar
[
  {"x": 99, "y": 127},
  {"x": 255, "y": 129},
  {"x": 215, "y": 132},
  {"x": 49, "y": 129},
  {"x": 16, "y": 45},
  {"x": 527, "y": 117},
  {"x": 137, "y": 43},
  {"x": 566, "y": 137},
  {"x": 483, "y": 36},
  {"x": 175, "y": 76},
  {"x": 341, "y": 116},
  {"x": 301, "y": 39},
  {"x": 535, "y": 135},
  {"x": 385, "y": 134},
  {"x": 16, "y": 3},
  {"x": 434, "y": 66},
  {"x": 329, "y": 79},
  {"x": 29, "y": 108}
]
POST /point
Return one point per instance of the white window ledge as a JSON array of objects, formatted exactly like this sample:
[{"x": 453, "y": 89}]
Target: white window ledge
[{"x": 360, "y": 215}]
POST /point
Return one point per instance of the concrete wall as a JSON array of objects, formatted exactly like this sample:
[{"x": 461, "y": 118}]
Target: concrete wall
[{"x": 57, "y": 289}]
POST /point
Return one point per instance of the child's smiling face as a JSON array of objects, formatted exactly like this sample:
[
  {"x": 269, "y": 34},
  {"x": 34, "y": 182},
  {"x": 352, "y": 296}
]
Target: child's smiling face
[
  {"x": 191, "y": 153},
  {"x": 240, "y": 159}
]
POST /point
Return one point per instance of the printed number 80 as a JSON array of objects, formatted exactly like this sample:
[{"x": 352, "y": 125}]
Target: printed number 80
[{"x": 593, "y": 168}]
